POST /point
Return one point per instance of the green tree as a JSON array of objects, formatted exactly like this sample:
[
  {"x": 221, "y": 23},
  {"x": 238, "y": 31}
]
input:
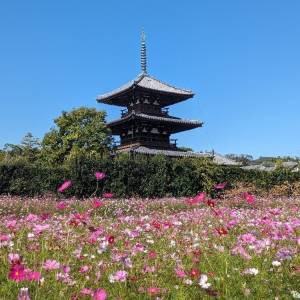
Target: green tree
[
  {"x": 81, "y": 131},
  {"x": 27, "y": 152}
]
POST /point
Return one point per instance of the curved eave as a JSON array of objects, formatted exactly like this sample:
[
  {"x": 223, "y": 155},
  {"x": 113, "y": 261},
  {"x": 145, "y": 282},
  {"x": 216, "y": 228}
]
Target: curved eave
[
  {"x": 123, "y": 98},
  {"x": 173, "y": 125},
  {"x": 122, "y": 95}
]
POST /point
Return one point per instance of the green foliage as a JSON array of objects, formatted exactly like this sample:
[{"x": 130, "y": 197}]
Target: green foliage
[
  {"x": 81, "y": 130},
  {"x": 131, "y": 175},
  {"x": 27, "y": 152}
]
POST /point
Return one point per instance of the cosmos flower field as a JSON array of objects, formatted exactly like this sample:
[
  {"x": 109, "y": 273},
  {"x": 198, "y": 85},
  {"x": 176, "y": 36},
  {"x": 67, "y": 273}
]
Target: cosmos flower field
[{"x": 189, "y": 248}]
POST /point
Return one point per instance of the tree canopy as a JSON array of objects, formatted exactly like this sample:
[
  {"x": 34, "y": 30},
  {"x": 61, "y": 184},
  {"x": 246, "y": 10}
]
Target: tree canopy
[{"x": 80, "y": 131}]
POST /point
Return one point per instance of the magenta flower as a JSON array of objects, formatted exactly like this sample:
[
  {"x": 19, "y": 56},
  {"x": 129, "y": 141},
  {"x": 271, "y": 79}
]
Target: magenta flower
[
  {"x": 153, "y": 290},
  {"x": 197, "y": 199},
  {"x": 249, "y": 198},
  {"x": 50, "y": 264},
  {"x": 97, "y": 203},
  {"x": 180, "y": 273},
  {"x": 86, "y": 291},
  {"x": 17, "y": 273},
  {"x": 100, "y": 294},
  {"x": 84, "y": 269},
  {"x": 118, "y": 276},
  {"x": 61, "y": 205},
  {"x": 33, "y": 276},
  {"x": 65, "y": 186},
  {"x": 100, "y": 175},
  {"x": 220, "y": 186},
  {"x": 108, "y": 195}
]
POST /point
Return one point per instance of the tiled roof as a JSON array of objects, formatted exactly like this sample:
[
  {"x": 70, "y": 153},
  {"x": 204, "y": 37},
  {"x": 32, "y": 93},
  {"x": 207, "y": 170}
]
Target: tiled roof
[
  {"x": 158, "y": 118},
  {"x": 217, "y": 158},
  {"x": 145, "y": 150},
  {"x": 147, "y": 82},
  {"x": 222, "y": 160}
]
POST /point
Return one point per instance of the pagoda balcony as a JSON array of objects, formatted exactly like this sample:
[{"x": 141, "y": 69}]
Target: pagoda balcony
[
  {"x": 151, "y": 142},
  {"x": 164, "y": 112}
]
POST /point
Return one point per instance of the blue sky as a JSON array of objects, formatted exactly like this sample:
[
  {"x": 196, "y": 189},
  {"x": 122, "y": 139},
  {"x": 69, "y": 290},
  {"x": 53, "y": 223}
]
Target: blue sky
[{"x": 241, "y": 58}]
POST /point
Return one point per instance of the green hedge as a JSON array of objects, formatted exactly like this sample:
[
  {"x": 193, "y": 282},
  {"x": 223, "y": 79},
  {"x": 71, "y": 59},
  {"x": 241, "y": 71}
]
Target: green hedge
[{"x": 133, "y": 175}]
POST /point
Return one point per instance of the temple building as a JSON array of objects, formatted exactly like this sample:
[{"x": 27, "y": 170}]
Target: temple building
[{"x": 145, "y": 125}]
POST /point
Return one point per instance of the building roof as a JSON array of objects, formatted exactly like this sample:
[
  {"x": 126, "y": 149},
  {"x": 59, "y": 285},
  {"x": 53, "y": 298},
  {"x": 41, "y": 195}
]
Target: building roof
[
  {"x": 176, "y": 124},
  {"x": 143, "y": 116},
  {"x": 144, "y": 81},
  {"x": 217, "y": 158}
]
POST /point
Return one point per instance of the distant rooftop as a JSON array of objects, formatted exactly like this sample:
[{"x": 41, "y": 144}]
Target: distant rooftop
[{"x": 217, "y": 158}]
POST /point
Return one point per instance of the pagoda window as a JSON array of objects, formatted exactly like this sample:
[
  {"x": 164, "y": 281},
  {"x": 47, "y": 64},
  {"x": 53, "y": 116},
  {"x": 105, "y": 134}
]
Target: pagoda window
[
  {"x": 130, "y": 131},
  {"x": 131, "y": 104},
  {"x": 155, "y": 102},
  {"x": 144, "y": 130},
  {"x": 154, "y": 130},
  {"x": 164, "y": 132},
  {"x": 146, "y": 101}
]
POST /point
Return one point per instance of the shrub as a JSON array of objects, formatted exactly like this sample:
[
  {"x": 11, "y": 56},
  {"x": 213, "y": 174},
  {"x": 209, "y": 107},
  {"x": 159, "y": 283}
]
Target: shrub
[{"x": 138, "y": 175}]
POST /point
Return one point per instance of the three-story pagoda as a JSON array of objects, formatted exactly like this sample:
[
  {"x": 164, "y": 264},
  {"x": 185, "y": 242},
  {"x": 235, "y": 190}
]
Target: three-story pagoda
[{"x": 145, "y": 125}]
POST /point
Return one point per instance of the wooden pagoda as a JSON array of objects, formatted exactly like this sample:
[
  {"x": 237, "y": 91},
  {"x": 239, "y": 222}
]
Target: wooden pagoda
[{"x": 145, "y": 124}]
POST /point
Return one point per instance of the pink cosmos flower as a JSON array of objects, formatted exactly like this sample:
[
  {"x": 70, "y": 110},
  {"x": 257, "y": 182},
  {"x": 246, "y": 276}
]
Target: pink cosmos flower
[
  {"x": 153, "y": 290},
  {"x": 248, "y": 197},
  {"x": 39, "y": 228},
  {"x": 152, "y": 255},
  {"x": 180, "y": 273},
  {"x": 32, "y": 218},
  {"x": 240, "y": 250},
  {"x": 100, "y": 294},
  {"x": 11, "y": 224},
  {"x": 13, "y": 258},
  {"x": 17, "y": 273},
  {"x": 108, "y": 195},
  {"x": 33, "y": 276},
  {"x": 100, "y": 175},
  {"x": 4, "y": 237},
  {"x": 61, "y": 205},
  {"x": 65, "y": 186},
  {"x": 97, "y": 203},
  {"x": 51, "y": 264},
  {"x": 84, "y": 269},
  {"x": 197, "y": 199},
  {"x": 86, "y": 291},
  {"x": 118, "y": 276},
  {"x": 247, "y": 238},
  {"x": 220, "y": 186}
]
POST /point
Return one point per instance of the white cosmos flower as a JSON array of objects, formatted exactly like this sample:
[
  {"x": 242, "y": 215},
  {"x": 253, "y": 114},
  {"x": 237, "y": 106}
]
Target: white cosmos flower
[
  {"x": 276, "y": 263},
  {"x": 203, "y": 281},
  {"x": 295, "y": 294},
  {"x": 251, "y": 271}
]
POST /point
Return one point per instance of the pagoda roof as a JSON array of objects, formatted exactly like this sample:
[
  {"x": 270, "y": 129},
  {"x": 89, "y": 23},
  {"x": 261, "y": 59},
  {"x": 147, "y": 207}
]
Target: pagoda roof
[
  {"x": 176, "y": 123},
  {"x": 120, "y": 96}
]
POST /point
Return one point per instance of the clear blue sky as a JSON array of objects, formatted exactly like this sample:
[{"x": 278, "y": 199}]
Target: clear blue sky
[{"x": 241, "y": 58}]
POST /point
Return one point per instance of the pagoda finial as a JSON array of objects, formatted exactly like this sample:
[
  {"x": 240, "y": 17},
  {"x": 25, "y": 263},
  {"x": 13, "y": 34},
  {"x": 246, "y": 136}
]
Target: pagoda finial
[{"x": 143, "y": 53}]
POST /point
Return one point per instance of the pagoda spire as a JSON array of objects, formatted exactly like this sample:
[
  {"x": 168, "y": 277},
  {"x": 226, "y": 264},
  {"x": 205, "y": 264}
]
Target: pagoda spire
[{"x": 143, "y": 53}]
